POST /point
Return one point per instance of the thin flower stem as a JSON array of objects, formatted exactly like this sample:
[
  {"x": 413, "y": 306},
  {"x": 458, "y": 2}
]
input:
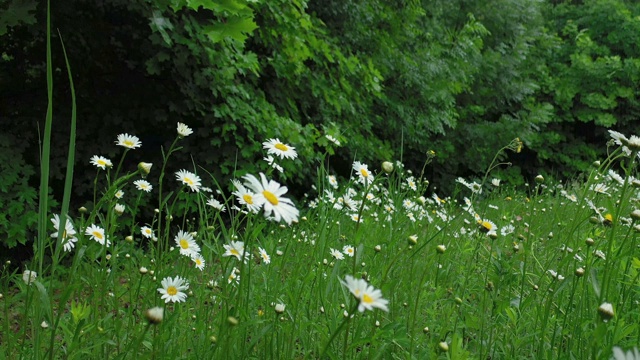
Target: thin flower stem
[{"x": 345, "y": 321}]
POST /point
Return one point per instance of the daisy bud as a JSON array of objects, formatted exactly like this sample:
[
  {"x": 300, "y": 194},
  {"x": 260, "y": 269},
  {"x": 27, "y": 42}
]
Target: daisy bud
[
  {"x": 425, "y": 330},
  {"x": 154, "y": 315},
  {"x": 377, "y": 248},
  {"x": 596, "y": 163},
  {"x": 458, "y": 300},
  {"x": 387, "y": 167},
  {"x": 440, "y": 249},
  {"x": 119, "y": 209},
  {"x": 232, "y": 321},
  {"x": 539, "y": 179},
  {"x": 82, "y": 210},
  {"x": 143, "y": 270},
  {"x": 589, "y": 242},
  {"x": 44, "y": 324},
  {"x": 279, "y": 308},
  {"x": 594, "y": 220},
  {"x": 413, "y": 239},
  {"x": 29, "y": 276},
  {"x": 443, "y": 346},
  {"x": 1, "y": 296},
  {"x": 144, "y": 169},
  {"x": 635, "y": 183},
  {"x": 377, "y": 323},
  {"x": 213, "y": 339},
  {"x": 606, "y": 311},
  {"x": 580, "y": 272},
  {"x": 635, "y": 214}
]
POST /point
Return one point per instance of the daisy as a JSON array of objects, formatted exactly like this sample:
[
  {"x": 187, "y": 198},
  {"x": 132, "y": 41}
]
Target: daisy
[
  {"x": 190, "y": 179},
  {"x": 184, "y": 130},
  {"x": 487, "y": 225},
  {"x": 186, "y": 243},
  {"x": 269, "y": 193},
  {"x": 495, "y": 182},
  {"x": 234, "y": 277},
  {"x": 143, "y": 185},
  {"x": 128, "y": 141},
  {"x": 412, "y": 183},
  {"x": 245, "y": 197},
  {"x": 631, "y": 354},
  {"x": 348, "y": 250},
  {"x": 147, "y": 232},
  {"x": 29, "y": 276},
  {"x": 97, "y": 234},
  {"x": 333, "y": 181},
  {"x": 333, "y": 139},
  {"x": 364, "y": 176},
  {"x": 119, "y": 194},
  {"x": 172, "y": 288},
  {"x": 600, "y": 188},
  {"x": 275, "y": 147},
  {"x": 236, "y": 249},
  {"x": 199, "y": 260},
  {"x": 216, "y": 205},
  {"x": 68, "y": 234},
  {"x": 272, "y": 162},
  {"x": 101, "y": 162},
  {"x": 336, "y": 254},
  {"x": 369, "y": 296},
  {"x": 265, "y": 257}
]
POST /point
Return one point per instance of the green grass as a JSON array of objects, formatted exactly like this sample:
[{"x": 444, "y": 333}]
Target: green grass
[{"x": 529, "y": 289}]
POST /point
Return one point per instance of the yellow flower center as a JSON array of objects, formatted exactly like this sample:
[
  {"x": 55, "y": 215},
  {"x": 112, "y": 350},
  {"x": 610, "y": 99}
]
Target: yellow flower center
[
  {"x": 248, "y": 199},
  {"x": 486, "y": 225},
  {"x": 234, "y": 252},
  {"x": 128, "y": 143},
  {"x": 171, "y": 290},
  {"x": 367, "y": 299},
  {"x": 102, "y": 162},
  {"x": 364, "y": 172},
  {"x": 98, "y": 235},
  {"x": 184, "y": 244},
  {"x": 281, "y": 147},
  {"x": 265, "y": 256},
  {"x": 188, "y": 181},
  {"x": 198, "y": 261},
  {"x": 270, "y": 197}
]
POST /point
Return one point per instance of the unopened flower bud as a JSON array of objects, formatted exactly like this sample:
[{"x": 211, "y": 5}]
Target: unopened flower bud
[
  {"x": 441, "y": 249},
  {"x": 539, "y": 179},
  {"x": 387, "y": 167},
  {"x": 154, "y": 315},
  {"x": 144, "y": 168},
  {"x": 606, "y": 311}
]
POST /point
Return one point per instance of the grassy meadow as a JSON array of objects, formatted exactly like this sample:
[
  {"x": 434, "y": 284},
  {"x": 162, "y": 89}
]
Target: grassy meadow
[{"x": 178, "y": 266}]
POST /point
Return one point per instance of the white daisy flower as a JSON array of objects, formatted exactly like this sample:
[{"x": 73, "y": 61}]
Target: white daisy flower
[
  {"x": 269, "y": 194},
  {"x": 147, "y": 232},
  {"x": 68, "y": 234},
  {"x": 199, "y": 260},
  {"x": 333, "y": 139},
  {"x": 128, "y": 141},
  {"x": 265, "y": 257},
  {"x": 362, "y": 170},
  {"x": 246, "y": 197},
  {"x": 216, "y": 204},
  {"x": 101, "y": 162},
  {"x": 236, "y": 249},
  {"x": 29, "y": 276},
  {"x": 97, "y": 234},
  {"x": 349, "y": 250},
  {"x": 186, "y": 243},
  {"x": 275, "y": 147},
  {"x": 368, "y": 296},
  {"x": 336, "y": 254},
  {"x": 172, "y": 289},
  {"x": 143, "y": 185},
  {"x": 184, "y": 130},
  {"x": 190, "y": 179},
  {"x": 119, "y": 194}
]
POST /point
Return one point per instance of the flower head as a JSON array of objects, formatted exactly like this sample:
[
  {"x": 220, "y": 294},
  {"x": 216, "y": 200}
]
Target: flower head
[
  {"x": 336, "y": 254},
  {"x": 369, "y": 296},
  {"x": 236, "y": 248},
  {"x": 216, "y": 204},
  {"x": 265, "y": 257},
  {"x": 68, "y": 234},
  {"x": 199, "y": 260},
  {"x": 362, "y": 170},
  {"x": 154, "y": 315},
  {"x": 144, "y": 168},
  {"x": 275, "y": 147},
  {"x": 268, "y": 193},
  {"x": 147, "y": 232},
  {"x": 101, "y": 162},
  {"x": 190, "y": 179},
  {"x": 128, "y": 141},
  {"x": 172, "y": 288},
  {"x": 143, "y": 185},
  {"x": 97, "y": 234},
  {"x": 29, "y": 276},
  {"x": 245, "y": 197},
  {"x": 184, "y": 130},
  {"x": 187, "y": 244},
  {"x": 349, "y": 250}
]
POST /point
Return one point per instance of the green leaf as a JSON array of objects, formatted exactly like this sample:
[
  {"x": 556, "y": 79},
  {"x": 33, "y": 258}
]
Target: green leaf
[{"x": 19, "y": 11}]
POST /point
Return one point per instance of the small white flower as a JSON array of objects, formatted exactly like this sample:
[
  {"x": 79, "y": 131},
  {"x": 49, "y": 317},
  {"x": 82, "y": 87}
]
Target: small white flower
[
  {"x": 143, "y": 185},
  {"x": 184, "y": 130},
  {"x": 29, "y": 276},
  {"x": 101, "y": 162},
  {"x": 172, "y": 289},
  {"x": 128, "y": 141}
]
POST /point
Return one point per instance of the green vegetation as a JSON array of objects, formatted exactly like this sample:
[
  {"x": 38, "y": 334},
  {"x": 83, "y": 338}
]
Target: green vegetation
[{"x": 189, "y": 245}]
